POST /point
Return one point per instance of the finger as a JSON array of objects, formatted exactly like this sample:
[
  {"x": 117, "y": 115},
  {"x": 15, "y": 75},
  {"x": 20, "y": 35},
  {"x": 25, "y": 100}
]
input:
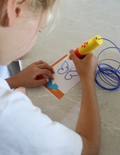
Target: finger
[
  {"x": 74, "y": 56},
  {"x": 33, "y": 63},
  {"x": 46, "y": 66},
  {"x": 40, "y": 82},
  {"x": 39, "y": 77},
  {"x": 40, "y": 62},
  {"x": 45, "y": 72},
  {"x": 90, "y": 56}
]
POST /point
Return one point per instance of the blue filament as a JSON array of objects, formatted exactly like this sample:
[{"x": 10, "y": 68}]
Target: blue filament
[{"x": 107, "y": 76}]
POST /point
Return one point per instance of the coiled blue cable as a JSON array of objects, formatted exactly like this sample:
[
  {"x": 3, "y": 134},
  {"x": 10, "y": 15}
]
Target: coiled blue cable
[{"x": 109, "y": 77}]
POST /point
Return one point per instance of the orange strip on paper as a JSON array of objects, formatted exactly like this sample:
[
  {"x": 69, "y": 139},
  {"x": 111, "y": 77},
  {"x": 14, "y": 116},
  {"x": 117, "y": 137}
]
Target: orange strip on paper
[
  {"x": 57, "y": 93},
  {"x": 59, "y": 60}
]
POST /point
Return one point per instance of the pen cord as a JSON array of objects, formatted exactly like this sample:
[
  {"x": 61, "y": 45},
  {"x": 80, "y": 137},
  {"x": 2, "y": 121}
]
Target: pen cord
[{"x": 107, "y": 76}]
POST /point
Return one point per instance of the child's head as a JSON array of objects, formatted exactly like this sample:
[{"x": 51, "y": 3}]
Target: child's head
[{"x": 20, "y": 21}]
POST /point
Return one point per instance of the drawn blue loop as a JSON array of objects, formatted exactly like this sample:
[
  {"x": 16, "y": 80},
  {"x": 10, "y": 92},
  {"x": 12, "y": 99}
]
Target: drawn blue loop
[{"x": 70, "y": 75}]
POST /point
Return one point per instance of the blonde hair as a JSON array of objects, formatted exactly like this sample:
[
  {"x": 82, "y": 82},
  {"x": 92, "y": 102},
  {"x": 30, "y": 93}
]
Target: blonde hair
[{"x": 35, "y": 5}]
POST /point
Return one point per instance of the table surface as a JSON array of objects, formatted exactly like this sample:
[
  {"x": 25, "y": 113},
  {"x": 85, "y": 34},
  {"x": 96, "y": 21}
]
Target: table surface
[{"x": 76, "y": 22}]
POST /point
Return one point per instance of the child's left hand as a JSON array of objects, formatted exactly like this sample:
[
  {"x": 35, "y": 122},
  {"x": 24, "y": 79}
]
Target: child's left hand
[{"x": 32, "y": 76}]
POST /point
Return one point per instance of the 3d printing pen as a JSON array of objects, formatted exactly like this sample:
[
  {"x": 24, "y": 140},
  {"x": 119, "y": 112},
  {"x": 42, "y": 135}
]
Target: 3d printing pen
[{"x": 88, "y": 46}]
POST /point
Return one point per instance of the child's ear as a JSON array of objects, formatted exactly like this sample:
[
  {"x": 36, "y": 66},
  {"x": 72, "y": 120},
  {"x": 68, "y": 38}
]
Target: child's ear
[{"x": 13, "y": 10}]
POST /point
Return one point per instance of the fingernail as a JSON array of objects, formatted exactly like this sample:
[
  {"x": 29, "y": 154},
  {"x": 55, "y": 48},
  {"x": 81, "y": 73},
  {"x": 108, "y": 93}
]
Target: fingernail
[
  {"x": 47, "y": 80},
  {"x": 70, "y": 51}
]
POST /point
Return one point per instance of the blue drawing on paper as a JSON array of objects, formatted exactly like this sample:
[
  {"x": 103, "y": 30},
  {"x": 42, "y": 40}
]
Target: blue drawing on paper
[
  {"x": 64, "y": 68},
  {"x": 69, "y": 72}
]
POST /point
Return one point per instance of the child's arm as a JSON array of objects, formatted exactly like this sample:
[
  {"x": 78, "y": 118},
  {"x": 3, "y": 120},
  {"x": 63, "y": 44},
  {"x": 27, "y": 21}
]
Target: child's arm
[
  {"x": 20, "y": 89},
  {"x": 88, "y": 125},
  {"x": 32, "y": 76}
]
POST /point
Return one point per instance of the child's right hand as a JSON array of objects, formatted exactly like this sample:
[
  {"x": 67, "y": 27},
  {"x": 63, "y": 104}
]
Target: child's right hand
[{"x": 85, "y": 67}]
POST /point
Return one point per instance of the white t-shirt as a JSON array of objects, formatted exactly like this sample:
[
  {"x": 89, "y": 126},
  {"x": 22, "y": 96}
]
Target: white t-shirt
[{"x": 25, "y": 130}]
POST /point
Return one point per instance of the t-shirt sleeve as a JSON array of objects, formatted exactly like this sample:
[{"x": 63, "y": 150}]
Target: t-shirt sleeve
[
  {"x": 24, "y": 129},
  {"x": 62, "y": 140}
]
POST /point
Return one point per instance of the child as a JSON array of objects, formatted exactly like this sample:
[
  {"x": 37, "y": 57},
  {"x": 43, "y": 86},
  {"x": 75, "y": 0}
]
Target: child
[{"x": 24, "y": 129}]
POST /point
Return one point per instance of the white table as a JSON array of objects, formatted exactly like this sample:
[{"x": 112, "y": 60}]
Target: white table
[{"x": 78, "y": 22}]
